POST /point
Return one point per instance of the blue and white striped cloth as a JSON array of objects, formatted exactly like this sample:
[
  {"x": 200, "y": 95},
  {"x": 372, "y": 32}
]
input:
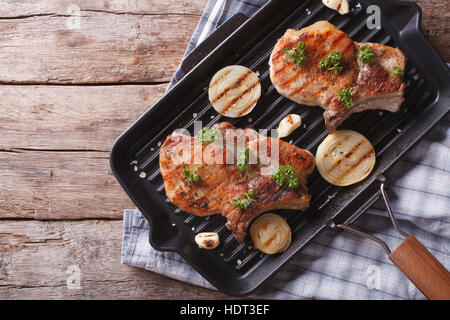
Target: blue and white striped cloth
[{"x": 336, "y": 265}]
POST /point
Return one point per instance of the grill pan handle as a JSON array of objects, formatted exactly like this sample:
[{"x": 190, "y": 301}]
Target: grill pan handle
[
  {"x": 413, "y": 259},
  {"x": 422, "y": 268}
]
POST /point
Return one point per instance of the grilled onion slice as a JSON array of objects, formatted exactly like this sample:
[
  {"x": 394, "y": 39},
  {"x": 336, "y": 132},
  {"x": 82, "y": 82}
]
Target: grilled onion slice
[
  {"x": 234, "y": 91},
  {"x": 270, "y": 233},
  {"x": 345, "y": 157}
]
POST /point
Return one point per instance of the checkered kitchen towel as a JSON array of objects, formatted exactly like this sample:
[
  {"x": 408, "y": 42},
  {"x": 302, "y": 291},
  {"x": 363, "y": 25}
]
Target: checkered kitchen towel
[{"x": 336, "y": 265}]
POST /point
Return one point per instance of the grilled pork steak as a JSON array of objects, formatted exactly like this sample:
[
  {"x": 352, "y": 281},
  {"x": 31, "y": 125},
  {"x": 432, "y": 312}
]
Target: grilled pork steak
[
  {"x": 216, "y": 185},
  {"x": 374, "y": 85}
]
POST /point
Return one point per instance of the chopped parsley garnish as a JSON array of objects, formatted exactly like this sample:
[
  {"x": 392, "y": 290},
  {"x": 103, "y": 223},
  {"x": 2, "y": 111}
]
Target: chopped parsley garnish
[
  {"x": 397, "y": 71},
  {"x": 243, "y": 203},
  {"x": 297, "y": 54},
  {"x": 332, "y": 62},
  {"x": 285, "y": 177},
  {"x": 346, "y": 97},
  {"x": 191, "y": 177},
  {"x": 366, "y": 54},
  {"x": 207, "y": 135},
  {"x": 242, "y": 161}
]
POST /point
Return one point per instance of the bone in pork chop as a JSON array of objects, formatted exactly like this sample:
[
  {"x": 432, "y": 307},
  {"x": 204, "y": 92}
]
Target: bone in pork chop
[
  {"x": 374, "y": 86},
  {"x": 210, "y": 188}
]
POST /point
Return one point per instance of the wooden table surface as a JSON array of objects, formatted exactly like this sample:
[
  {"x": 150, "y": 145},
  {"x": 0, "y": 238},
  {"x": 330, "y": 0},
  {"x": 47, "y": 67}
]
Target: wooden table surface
[{"x": 66, "y": 94}]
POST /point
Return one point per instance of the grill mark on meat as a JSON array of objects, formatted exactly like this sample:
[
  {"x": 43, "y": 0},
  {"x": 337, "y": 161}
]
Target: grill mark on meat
[
  {"x": 219, "y": 184},
  {"x": 290, "y": 45},
  {"x": 281, "y": 52},
  {"x": 372, "y": 83},
  {"x": 354, "y": 166},
  {"x": 236, "y": 84},
  {"x": 280, "y": 70},
  {"x": 297, "y": 91},
  {"x": 239, "y": 97},
  {"x": 309, "y": 47},
  {"x": 335, "y": 43},
  {"x": 347, "y": 48}
]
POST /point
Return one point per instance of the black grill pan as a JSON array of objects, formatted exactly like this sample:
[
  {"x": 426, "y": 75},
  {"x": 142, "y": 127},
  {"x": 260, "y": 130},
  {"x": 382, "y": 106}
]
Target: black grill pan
[{"x": 238, "y": 269}]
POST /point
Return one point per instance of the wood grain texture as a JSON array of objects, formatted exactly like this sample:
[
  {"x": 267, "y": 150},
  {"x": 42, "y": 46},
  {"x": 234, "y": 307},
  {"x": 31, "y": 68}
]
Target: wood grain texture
[
  {"x": 422, "y": 268},
  {"x": 54, "y": 148},
  {"x": 17, "y": 9},
  {"x": 70, "y": 117},
  {"x": 37, "y": 259},
  {"x": 436, "y": 24},
  {"x": 59, "y": 185},
  {"x": 104, "y": 46}
]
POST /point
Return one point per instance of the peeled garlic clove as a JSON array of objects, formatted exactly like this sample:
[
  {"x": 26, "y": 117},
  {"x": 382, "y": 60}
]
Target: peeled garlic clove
[
  {"x": 339, "y": 5},
  {"x": 270, "y": 233},
  {"x": 207, "y": 240},
  {"x": 345, "y": 8},
  {"x": 288, "y": 125},
  {"x": 345, "y": 157}
]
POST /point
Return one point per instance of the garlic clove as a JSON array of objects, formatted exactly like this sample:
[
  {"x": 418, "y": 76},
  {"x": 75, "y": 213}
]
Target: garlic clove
[
  {"x": 288, "y": 125},
  {"x": 339, "y": 5},
  {"x": 207, "y": 240},
  {"x": 344, "y": 9}
]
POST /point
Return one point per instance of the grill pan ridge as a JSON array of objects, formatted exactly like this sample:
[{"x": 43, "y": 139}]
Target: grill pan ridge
[{"x": 239, "y": 269}]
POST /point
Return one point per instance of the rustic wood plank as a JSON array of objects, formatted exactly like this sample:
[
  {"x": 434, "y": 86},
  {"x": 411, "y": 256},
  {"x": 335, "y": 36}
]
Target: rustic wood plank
[
  {"x": 36, "y": 259},
  {"x": 14, "y": 8},
  {"x": 109, "y": 46},
  {"x": 70, "y": 117},
  {"x": 59, "y": 185},
  {"x": 54, "y": 148},
  {"x": 436, "y": 24}
]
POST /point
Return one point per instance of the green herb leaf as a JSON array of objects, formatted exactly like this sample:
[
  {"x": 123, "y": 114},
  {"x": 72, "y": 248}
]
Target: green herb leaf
[
  {"x": 346, "y": 97},
  {"x": 191, "y": 177},
  {"x": 249, "y": 194},
  {"x": 397, "y": 71},
  {"x": 285, "y": 177},
  {"x": 208, "y": 135},
  {"x": 332, "y": 62},
  {"x": 366, "y": 54},
  {"x": 243, "y": 203},
  {"x": 297, "y": 54},
  {"x": 242, "y": 161}
]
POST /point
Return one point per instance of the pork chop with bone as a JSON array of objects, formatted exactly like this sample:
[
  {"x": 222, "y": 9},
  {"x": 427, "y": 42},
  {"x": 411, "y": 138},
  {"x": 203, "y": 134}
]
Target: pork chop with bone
[
  {"x": 220, "y": 183},
  {"x": 373, "y": 84}
]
